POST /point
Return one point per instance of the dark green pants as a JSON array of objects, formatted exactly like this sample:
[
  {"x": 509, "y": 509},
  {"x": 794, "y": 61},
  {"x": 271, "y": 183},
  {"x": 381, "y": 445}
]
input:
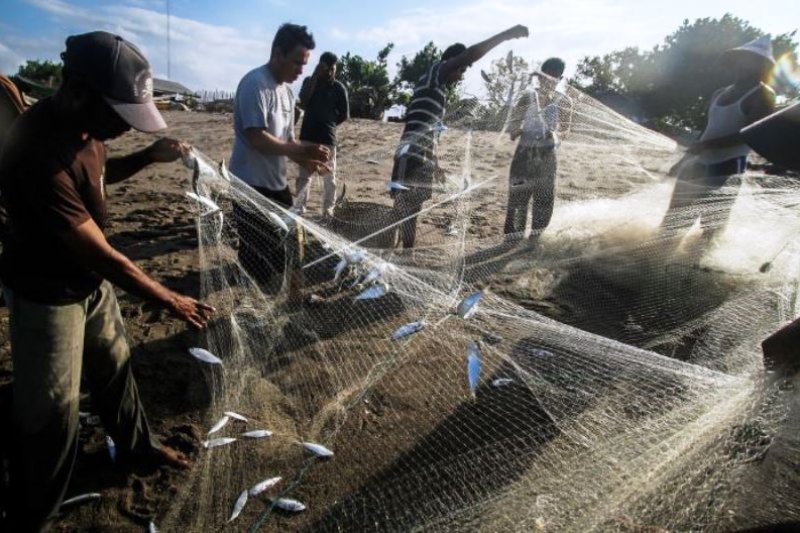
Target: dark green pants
[
  {"x": 50, "y": 346},
  {"x": 532, "y": 180}
]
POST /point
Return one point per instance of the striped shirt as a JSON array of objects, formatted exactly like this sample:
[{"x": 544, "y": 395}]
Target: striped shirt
[{"x": 424, "y": 117}]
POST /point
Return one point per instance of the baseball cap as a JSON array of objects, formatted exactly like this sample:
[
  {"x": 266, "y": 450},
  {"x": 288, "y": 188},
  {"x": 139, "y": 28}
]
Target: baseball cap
[{"x": 119, "y": 71}]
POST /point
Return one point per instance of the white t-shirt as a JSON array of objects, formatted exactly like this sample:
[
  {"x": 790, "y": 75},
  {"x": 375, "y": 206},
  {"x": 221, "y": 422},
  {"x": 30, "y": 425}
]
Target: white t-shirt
[
  {"x": 539, "y": 121},
  {"x": 261, "y": 102}
]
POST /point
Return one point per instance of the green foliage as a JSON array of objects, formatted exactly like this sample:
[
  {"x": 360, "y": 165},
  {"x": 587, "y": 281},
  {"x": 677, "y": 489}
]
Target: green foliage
[
  {"x": 409, "y": 71},
  {"x": 498, "y": 83},
  {"x": 44, "y": 72},
  {"x": 367, "y": 83},
  {"x": 673, "y": 83}
]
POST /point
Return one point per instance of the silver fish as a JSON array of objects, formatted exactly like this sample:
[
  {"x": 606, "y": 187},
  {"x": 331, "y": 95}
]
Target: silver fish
[
  {"x": 317, "y": 449},
  {"x": 205, "y": 356},
  {"x": 376, "y": 272},
  {"x": 82, "y": 498},
  {"x": 260, "y": 487},
  {"x": 376, "y": 291},
  {"x": 207, "y": 202},
  {"x": 452, "y": 231},
  {"x": 354, "y": 256},
  {"x": 501, "y": 382},
  {"x": 151, "y": 528},
  {"x": 372, "y": 162},
  {"x": 473, "y": 366},
  {"x": 241, "y": 501},
  {"x": 408, "y": 329},
  {"x": 340, "y": 266},
  {"x": 467, "y": 307},
  {"x": 257, "y": 434},
  {"x": 112, "y": 449},
  {"x": 219, "y": 425},
  {"x": 288, "y": 504},
  {"x": 396, "y": 186},
  {"x": 237, "y": 416},
  {"x": 278, "y": 221},
  {"x": 213, "y": 443},
  {"x": 541, "y": 353},
  {"x": 223, "y": 171}
]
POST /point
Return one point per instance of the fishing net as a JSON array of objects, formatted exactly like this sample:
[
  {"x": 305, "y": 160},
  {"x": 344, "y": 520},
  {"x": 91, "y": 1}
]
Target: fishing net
[{"x": 621, "y": 383}]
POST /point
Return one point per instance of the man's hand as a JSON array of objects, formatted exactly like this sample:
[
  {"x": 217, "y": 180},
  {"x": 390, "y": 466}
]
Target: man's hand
[
  {"x": 166, "y": 150},
  {"x": 317, "y": 152},
  {"x": 190, "y": 310},
  {"x": 517, "y": 32},
  {"x": 315, "y": 166}
]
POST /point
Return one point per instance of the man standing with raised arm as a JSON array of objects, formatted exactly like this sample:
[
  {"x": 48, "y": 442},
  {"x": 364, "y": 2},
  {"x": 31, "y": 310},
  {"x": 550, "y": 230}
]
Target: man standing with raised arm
[
  {"x": 324, "y": 100},
  {"x": 415, "y": 161}
]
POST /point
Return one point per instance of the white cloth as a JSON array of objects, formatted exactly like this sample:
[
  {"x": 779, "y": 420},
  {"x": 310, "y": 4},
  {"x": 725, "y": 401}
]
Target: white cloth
[
  {"x": 328, "y": 183},
  {"x": 724, "y": 120},
  {"x": 538, "y": 121}
]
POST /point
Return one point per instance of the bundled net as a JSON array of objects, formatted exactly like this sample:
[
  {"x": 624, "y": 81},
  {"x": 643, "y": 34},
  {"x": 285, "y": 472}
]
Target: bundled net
[{"x": 621, "y": 383}]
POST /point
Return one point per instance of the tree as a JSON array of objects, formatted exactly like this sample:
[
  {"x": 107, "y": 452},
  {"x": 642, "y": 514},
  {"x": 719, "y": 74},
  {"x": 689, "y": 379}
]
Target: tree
[
  {"x": 44, "y": 72},
  {"x": 409, "y": 71},
  {"x": 506, "y": 80},
  {"x": 367, "y": 83},
  {"x": 673, "y": 83}
]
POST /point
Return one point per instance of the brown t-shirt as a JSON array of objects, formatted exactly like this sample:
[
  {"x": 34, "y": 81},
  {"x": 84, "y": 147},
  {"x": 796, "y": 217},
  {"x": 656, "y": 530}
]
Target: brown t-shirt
[{"x": 51, "y": 180}]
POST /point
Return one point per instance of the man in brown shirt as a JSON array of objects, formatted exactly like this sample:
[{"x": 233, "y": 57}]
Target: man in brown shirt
[{"x": 57, "y": 269}]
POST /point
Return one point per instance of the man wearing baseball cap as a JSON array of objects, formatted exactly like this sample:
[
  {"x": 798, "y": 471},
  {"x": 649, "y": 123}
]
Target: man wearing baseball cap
[{"x": 57, "y": 269}]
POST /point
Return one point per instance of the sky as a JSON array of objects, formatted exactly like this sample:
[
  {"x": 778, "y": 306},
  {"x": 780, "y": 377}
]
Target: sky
[{"x": 214, "y": 43}]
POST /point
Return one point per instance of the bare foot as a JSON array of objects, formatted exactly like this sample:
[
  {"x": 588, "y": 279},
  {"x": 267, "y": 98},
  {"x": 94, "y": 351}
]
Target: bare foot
[{"x": 172, "y": 457}]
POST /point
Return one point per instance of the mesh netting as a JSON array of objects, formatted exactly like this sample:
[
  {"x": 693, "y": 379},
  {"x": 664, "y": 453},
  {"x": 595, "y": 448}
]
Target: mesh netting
[{"x": 621, "y": 383}]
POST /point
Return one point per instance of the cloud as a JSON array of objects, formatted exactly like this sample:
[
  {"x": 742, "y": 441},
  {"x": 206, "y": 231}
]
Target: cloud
[
  {"x": 203, "y": 56},
  {"x": 9, "y": 60}
]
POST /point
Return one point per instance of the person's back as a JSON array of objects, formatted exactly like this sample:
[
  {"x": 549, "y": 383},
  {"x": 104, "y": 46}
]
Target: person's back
[{"x": 12, "y": 104}]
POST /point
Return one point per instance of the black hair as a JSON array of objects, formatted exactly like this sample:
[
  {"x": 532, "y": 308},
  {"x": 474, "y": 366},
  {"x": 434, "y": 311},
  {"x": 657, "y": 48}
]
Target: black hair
[
  {"x": 554, "y": 67},
  {"x": 453, "y": 50},
  {"x": 291, "y": 35},
  {"x": 329, "y": 58}
]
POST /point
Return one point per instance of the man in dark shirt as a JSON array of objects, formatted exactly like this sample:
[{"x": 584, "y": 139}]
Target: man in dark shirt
[
  {"x": 415, "y": 161},
  {"x": 324, "y": 100},
  {"x": 57, "y": 269}
]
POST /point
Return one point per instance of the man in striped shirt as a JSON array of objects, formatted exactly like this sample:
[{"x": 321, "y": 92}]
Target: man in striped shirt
[{"x": 415, "y": 161}]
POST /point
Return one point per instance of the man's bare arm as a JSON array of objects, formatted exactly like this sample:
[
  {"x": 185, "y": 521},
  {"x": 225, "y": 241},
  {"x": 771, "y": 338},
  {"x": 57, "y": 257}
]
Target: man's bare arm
[
  {"x": 477, "y": 51},
  {"x": 91, "y": 249},
  {"x": 162, "y": 151}
]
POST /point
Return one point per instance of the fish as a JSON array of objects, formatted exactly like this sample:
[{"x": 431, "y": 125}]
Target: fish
[
  {"x": 510, "y": 60},
  {"x": 376, "y": 291},
  {"x": 112, "y": 449},
  {"x": 376, "y": 272},
  {"x": 317, "y": 449},
  {"x": 288, "y": 504},
  {"x": 205, "y": 356},
  {"x": 372, "y": 162},
  {"x": 408, "y": 329},
  {"x": 219, "y": 425},
  {"x": 241, "y": 501},
  {"x": 237, "y": 416},
  {"x": 223, "y": 171},
  {"x": 354, "y": 256},
  {"x": 540, "y": 353},
  {"x": 213, "y": 443},
  {"x": 485, "y": 77},
  {"x": 340, "y": 266},
  {"x": 473, "y": 366},
  {"x": 207, "y": 202},
  {"x": 89, "y": 496},
  {"x": 151, "y": 528},
  {"x": 467, "y": 307},
  {"x": 315, "y": 299},
  {"x": 396, "y": 186},
  {"x": 260, "y": 487},
  {"x": 278, "y": 221},
  {"x": 501, "y": 382},
  {"x": 452, "y": 231},
  {"x": 257, "y": 434}
]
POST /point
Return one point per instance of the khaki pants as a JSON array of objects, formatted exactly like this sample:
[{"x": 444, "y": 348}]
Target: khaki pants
[
  {"x": 50, "y": 345},
  {"x": 328, "y": 183}
]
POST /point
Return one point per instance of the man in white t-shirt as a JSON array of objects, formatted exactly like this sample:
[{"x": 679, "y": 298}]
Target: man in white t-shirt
[{"x": 263, "y": 123}]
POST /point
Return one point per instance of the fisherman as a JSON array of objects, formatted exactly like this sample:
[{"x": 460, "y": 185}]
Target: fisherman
[
  {"x": 537, "y": 121},
  {"x": 324, "y": 100},
  {"x": 263, "y": 124},
  {"x": 416, "y": 165},
  {"x": 721, "y": 153},
  {"x": 57, "y": 269}
]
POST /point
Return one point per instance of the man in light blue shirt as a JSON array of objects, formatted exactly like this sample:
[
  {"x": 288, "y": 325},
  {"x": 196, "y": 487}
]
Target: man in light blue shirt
[{"x": 263, "y": 123}]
